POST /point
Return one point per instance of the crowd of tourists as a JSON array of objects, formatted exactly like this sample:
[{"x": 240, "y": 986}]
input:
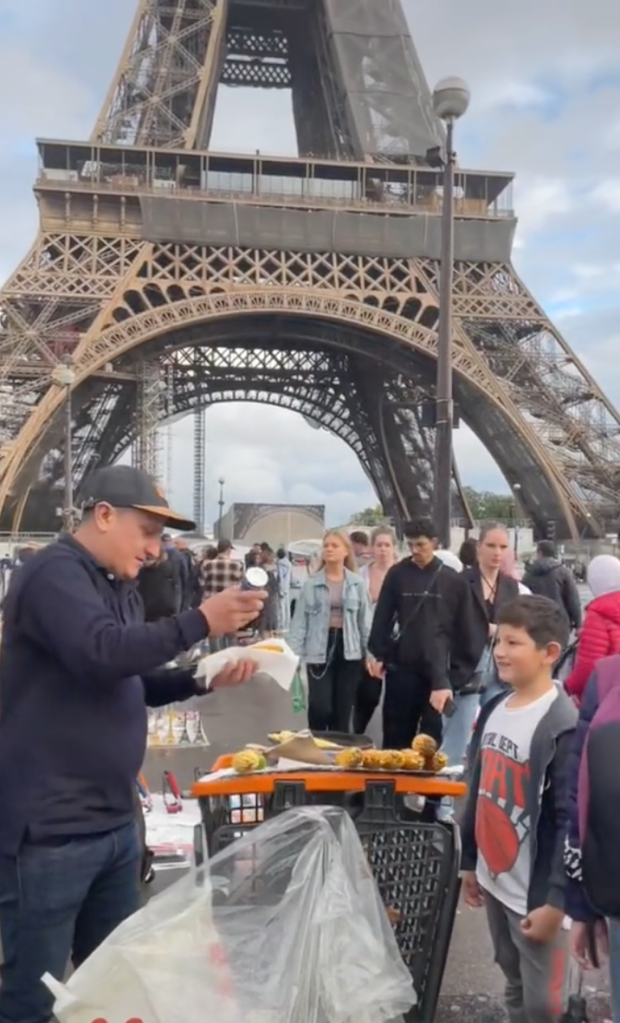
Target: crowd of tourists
[
  {"x": 455, "y": 648},
  {"x": 468, "y": 654},
  {"x": 180, "y": 577}
]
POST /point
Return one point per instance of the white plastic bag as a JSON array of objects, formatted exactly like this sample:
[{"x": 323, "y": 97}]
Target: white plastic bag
[{"x": 284, "y": 926}]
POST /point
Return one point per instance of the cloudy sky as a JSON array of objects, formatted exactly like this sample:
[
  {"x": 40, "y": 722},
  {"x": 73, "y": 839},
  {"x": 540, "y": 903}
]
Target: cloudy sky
[{"x": 545, "y": 84}]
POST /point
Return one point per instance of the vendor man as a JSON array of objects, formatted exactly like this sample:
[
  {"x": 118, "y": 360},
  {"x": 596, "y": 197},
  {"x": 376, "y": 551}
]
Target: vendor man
[{"x": 78, "y": 666}]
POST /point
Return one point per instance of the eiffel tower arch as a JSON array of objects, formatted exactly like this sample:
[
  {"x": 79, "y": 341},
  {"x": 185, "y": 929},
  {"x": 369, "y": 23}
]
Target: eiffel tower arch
[{"x": 311, "y": 283}]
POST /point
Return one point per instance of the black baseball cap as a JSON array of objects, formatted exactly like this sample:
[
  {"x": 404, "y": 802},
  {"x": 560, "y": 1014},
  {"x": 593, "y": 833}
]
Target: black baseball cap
[{"x": 123, "y": 486}]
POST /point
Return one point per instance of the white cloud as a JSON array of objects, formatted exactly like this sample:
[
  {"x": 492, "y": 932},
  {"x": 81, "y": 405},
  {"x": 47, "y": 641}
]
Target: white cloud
[
  {"x": 512, "y": 93},
  {"x": 607, "y": 194},
  {"x": 268, "y": 454},
  {"x": 538, "y": 200}
]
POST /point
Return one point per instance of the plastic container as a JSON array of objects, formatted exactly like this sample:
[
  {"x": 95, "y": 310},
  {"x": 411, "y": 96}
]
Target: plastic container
[{"x": 415, "y": 860}]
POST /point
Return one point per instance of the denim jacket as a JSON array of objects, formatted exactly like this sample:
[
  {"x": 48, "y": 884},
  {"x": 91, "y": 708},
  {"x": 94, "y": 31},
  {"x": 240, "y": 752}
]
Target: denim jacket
[{"x": 310, "y": 626}]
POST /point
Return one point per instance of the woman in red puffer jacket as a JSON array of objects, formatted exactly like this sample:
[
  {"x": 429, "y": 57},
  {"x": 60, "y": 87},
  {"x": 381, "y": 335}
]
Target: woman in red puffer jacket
[{"x": 600, "y": 635}]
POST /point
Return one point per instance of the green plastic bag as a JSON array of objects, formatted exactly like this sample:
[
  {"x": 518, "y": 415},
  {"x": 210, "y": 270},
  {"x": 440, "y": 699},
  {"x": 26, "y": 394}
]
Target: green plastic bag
[{"x": 299, "y": 694}]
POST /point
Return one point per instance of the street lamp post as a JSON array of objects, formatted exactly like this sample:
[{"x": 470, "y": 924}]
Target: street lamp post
[
  {"x": 515, "y": 490},
  {"x": 64, "y": 376},
  {"x": 450, "y": 101},
  {"x": 221, "y": 482}
]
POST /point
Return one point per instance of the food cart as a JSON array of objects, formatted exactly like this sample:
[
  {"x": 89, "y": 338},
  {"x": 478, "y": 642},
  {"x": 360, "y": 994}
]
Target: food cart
[{"x": 414, "y": 858}]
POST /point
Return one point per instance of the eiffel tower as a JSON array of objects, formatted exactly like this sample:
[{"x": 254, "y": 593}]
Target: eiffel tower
[{"x": 308, "y": 283}]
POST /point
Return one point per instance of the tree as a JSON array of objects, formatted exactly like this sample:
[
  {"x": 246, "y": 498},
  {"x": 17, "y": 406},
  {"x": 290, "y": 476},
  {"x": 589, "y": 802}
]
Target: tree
[
  {"x": 370, "y": 517},
  {"x": 486, "y": 505}
]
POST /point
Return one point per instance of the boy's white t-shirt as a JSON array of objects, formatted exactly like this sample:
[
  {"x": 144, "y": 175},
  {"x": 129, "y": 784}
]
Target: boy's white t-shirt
[{"x": 503, "y": 825}]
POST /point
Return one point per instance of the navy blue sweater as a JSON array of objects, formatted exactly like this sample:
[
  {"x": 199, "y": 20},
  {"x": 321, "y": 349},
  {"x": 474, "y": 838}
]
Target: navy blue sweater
[{"x": 78, "y": 666}]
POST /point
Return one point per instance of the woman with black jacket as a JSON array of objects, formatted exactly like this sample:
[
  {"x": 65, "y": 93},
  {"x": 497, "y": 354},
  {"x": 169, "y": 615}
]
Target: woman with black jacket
[{"x": 491, "y": 589}]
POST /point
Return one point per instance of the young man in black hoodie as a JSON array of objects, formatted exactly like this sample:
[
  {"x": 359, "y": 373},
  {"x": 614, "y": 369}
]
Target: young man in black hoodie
[
  {"x": 421, "y": 639},
  {"x": 548, "y": 577}
]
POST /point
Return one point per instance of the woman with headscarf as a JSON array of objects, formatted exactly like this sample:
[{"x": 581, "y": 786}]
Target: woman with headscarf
[{"x": 600, "y": 634}]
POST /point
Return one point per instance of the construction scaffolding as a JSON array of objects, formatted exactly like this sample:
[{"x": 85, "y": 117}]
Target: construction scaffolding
[
  {"x": 200, "y": 454},
  {"x": 167, "y": 432},
  {"x": 146, "y": 448}
]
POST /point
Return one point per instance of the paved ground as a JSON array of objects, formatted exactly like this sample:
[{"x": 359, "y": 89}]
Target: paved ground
[{"x": 472, "y": 988}]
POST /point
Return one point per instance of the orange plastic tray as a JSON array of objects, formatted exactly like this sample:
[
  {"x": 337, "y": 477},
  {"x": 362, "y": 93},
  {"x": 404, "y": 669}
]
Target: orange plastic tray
[{"x": 324, "y": 781}]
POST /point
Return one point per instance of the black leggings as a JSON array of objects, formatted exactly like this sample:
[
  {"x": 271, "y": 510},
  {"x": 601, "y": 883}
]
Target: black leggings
[{"x": 332, "y": 688}]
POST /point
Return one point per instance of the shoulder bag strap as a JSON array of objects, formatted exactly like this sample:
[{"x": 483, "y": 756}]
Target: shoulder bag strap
[{"x": 418, "y": 607}]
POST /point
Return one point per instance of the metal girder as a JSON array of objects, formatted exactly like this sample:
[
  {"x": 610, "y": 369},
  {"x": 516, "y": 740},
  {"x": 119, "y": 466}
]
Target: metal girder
[
  {"x": 93, "y": 289},
  {"x": 163, "y": 289},
  {"x": 256, "y": 74},
  {"x": 244, "y": 42},
  {"x": 179, "y": 52},
  {"x": 166, "y": 75},
  {"x": 326, "y": 372},
  {"x": 548, "y": 383}
]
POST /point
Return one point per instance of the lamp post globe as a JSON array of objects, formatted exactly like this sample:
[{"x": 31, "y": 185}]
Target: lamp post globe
[{"x": 451, "y": 98}]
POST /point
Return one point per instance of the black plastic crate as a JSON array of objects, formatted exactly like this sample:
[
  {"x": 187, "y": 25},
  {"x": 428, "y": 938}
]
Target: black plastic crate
[{"x": 415, "y": 862}]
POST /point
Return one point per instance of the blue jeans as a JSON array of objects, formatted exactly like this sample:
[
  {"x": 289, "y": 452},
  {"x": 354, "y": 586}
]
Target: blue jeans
[
  {"x": 59, "y": 901},
  {"x": 284, "y": 612},
  {"x": 614, "y": 967},
  {"x": 456, "y": 736}
]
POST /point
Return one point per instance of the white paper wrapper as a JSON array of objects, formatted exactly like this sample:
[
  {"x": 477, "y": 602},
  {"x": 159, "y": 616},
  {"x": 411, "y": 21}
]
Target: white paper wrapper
[{"x": 273, "y": 657}]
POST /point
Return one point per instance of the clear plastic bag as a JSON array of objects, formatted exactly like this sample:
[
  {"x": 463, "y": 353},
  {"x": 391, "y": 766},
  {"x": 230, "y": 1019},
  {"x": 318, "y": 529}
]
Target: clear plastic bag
[{"x": 286, "y": 925}]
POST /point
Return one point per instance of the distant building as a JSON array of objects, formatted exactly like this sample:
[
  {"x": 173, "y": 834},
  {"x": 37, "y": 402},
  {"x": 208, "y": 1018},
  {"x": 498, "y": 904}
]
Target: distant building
[{"x": 275, "y": 524}]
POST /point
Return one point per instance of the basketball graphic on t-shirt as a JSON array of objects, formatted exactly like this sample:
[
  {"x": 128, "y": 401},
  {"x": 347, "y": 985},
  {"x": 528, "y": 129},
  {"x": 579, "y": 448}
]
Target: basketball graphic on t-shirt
[
  {"x": 501, "y": 822},
  {"x": 496, "y": 836}
]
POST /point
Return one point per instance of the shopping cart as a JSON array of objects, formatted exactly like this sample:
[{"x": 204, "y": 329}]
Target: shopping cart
[{"x": 414, "y": 859}]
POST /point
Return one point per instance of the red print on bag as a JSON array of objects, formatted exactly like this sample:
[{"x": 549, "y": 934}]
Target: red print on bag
[
  {"x": 216, "y": 955},
  {"x": 133, "y": 1019}
]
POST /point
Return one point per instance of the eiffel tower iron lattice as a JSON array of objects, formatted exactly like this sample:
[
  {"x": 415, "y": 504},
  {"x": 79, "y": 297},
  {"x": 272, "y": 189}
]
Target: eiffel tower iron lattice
[{"x": 307, "y": 283}]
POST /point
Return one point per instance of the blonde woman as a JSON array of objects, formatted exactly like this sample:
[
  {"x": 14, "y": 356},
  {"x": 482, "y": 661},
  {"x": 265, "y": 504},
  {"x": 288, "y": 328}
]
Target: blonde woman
[
  {"x": 329, "y": 632},
  {"x": 383, "y": 553}
]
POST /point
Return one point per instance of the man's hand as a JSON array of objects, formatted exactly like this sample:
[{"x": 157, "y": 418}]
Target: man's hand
[
  {"x": 439, "y": 698},
  {"x": 233, "y": 675},
  {"x": 375, "y": 668},
  {"x": 472, "y": 892},
  {"x": 231, "y": 610},
  {"x": 588, "y": 945},
  {"x": 542, "y": 924}
]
